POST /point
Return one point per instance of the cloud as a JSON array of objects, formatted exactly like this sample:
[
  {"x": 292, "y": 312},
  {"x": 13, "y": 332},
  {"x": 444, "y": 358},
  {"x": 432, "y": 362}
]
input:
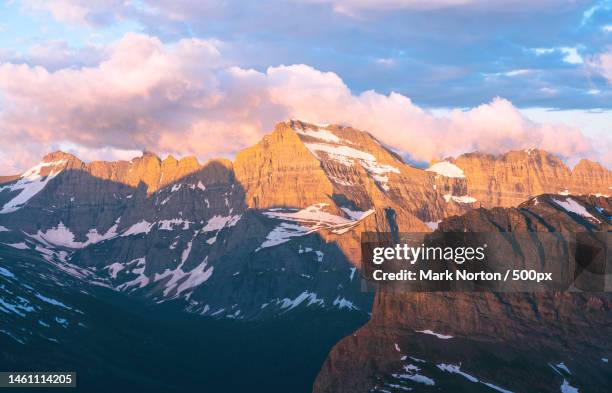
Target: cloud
[
  {"x": 187, "y": 98},
  {"x": 519, "y": 72},
  {"x": 81, "y": 12},
  {"x": 351, "y": 7},
  {"x": 600, "y": 6},
  {"x": 494, "y": 127},
  {"x": 386, "y": 62},
  {"x": 100, "y": 12},
  {"x": 262, "y": 34},
  {"x": 570, "y": 54},
  {"x": 602, "y": 64},
  {"x": 355, "y": 7}
]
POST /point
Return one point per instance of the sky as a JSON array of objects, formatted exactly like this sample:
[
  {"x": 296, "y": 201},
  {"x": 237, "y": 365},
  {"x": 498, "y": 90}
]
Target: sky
[{"x": 106, "y": 79}]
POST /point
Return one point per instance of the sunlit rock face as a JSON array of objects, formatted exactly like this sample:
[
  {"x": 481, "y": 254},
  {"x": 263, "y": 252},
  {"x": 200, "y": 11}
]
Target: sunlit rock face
[
  {"x": 277, "y": 228},
  {"x": 515, "y": 342},
  {"x": 509, "y": 179},
  {"x": 277, "y": 231}
]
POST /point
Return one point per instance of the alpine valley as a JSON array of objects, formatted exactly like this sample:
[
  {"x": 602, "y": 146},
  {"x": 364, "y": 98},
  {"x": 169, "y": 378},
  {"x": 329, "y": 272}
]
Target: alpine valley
[{"x": 230, "y": 276}]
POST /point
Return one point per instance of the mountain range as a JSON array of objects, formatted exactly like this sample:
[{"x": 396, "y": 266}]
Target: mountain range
[{"x": 270, "y": 243}]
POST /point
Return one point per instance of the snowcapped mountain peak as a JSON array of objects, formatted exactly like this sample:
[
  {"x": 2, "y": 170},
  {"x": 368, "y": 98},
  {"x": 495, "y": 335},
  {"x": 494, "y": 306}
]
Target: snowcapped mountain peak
[
  {"x": 30, "y": 183},
  {"x": 59, "y": 155},
  {"x": 348, "y": 150},
  {"x": 286, "y": 210},
  {"x": 44, "y": 169}
]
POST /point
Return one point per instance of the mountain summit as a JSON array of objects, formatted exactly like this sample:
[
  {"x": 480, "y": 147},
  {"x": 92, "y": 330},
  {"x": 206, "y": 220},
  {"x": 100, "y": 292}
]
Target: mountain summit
[
  {"x": 291, "y": 206},
  {"x": 275, "y": 235}
]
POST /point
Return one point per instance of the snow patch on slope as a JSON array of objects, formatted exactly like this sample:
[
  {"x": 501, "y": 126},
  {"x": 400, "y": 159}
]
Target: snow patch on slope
[
  {"x": 138, "y": 228},
  {"x": 349, "y": 156},
  {"x": 306, "y": 296},
  {"x": 459, "y": 199},
  {"x": 62, "y": 236},
  {"x": 455, "y": 369},
  {"x": 30, "y": 184},
  {"x": 433, "y": 225},
  {"x": 19, "y": 246},
  {"x": 184, "y": 280},
  {"x": 216, "y": 222},
  {"x": 355, "y": 214},
  {"x": 283, "y": 233},
  {"x": 141, "y": 279},
  {"x": 166, "y": 225},
  {"x": 114, "y": 269},
  {"x": 446, "y": 169},
  {"x": 320, "y": 134},
  {"x": 572, "y": 206},
  {"x": 313, "y": 214},
  {"x": 413, "y": 375},
  {"x": 341, "y": 303},
  {"x": 432, "y": 333},
  {"x": 567, "y": 388},
  {"x": 452, "y": 368},
  {"x": 308, "y": 220}
]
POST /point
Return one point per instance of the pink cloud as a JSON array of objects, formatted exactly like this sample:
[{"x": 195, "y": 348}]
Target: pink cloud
[
  {"x": 80, "y": 12},
  {"x": 602, "y": 64},
  {"x": 494, "y": 127},
  {"x": 359, "y": 7},
  {"x": 185, "y": 98}
]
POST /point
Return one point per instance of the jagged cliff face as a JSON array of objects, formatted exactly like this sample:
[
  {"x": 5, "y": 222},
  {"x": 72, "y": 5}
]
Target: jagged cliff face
[
  {"x": 590, "y": 177},
  {"x": 301, "y": 164},
  {"x": 278, "y": 230},
  {"x": 148, "y": 169},
  {"x": 542, "y": 342},
  {"x": 286, "y": 215},
  {"x": 280, "y": 171},
  {"x": 509, "y": 179},
  {"x": 263, "y": 235}
]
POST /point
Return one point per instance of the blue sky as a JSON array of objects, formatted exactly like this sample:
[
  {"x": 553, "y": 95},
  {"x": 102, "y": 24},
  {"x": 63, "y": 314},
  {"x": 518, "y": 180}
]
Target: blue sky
[
  {"x": 548, "y": 57},
  {"x": 532, "y": 55}
]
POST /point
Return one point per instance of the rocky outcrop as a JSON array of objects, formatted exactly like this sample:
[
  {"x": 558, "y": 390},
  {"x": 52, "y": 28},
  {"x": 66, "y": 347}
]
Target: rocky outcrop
[
  {"x": 177, "y": 230},
  {"x": 280, "y": 171},
  {"x": 279, "y": 230},
  {"x": 589, "y": 177},
  {"x": 8, "y": 178},
  {"x": 509, "y": 179},
  {"x": 468, "y": 341},
  {"x": 148, "y": 169}
]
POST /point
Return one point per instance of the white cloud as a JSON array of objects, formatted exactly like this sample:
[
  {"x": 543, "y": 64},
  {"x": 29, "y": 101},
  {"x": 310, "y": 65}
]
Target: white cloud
[
  {"x": 81, "y": 12},
  {"x": 543, "y": 51},
  {"x": 98, "y": 12},
  {"x": 519, "y": 72},
  {"x": 357, "y": 7},
  {"x": 570, "y": 54},
  {"x": 602, "y": 64},
  {"x": 183, "y": 98},
  {"x": 386, "y": 62}
]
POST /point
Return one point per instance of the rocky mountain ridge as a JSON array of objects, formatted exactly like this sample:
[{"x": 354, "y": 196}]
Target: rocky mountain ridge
[
  {"x": 481, "y": 342},
  {"x": 276, "y": 233},
  {"x": 285, "y": 215},
  {"x": 509, "y": 179},
  {"x": 334, "y": 160}
]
